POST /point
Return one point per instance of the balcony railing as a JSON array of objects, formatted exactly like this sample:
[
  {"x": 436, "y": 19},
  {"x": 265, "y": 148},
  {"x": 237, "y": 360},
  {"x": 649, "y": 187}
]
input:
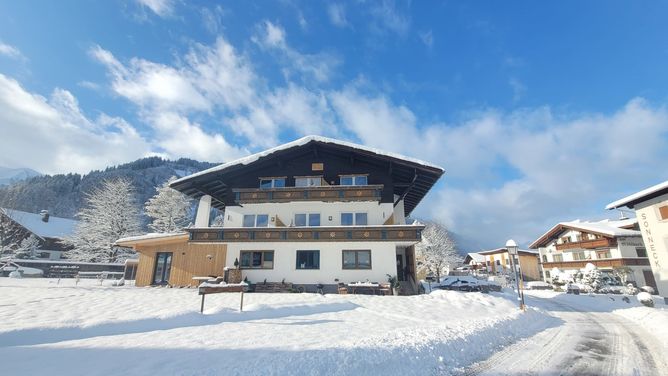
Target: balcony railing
[
  {"x": 412, "y": 233},
  {"x": 607, "y": 263},
  {"x": 319, "y": 193},
  {"x": 588, "y": 244}
]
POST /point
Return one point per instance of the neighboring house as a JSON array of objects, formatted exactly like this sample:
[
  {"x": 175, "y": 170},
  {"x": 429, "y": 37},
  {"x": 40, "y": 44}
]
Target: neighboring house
[
  {"x": 474, "y": 261},
  {"x": 497, "y": 261},
  {"x": 49, "y": 231},
  {"x": 651, "y": 207},
  {"x": 312, "y": 211},
  {"x": 608, "y": 244}
]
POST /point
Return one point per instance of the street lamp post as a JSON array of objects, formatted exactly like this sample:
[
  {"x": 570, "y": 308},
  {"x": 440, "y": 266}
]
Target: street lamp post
[{"x": 512, "y": 248}]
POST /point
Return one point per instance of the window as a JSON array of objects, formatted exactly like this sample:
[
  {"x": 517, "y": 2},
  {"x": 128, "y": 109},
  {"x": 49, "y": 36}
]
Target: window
[
  {"x": 267, "y": 183},
  {"x": 547, "y": 274},
  {"x": 350, "y": 219},
  {"x": 257, "y": 259},
  {"x": 558, "y": 258},
  {"x": 353, "y": 180},
  {"x": 312, "y": 219},
  {"x": 641, "y": 251},
  {"x": 579, "y": 255},
  {"x": 162, "y": 269},
  {"x": 357, "y": 259},
  {"x": 603, "y": 254},
  {"x": 498, "y": 262},
  {"x": 312, "y": 181},
  {"x": 507, "y": 261},
  {"x": 259, "y": 220},
  {"x": 544, "y": 258},
  {"x": 308, "y": 259}
]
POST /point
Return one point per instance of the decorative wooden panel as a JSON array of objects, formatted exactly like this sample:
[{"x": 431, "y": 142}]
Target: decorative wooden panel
[
  {"x": 322, "y": 193},
  {"x": 588, "y": 244}
]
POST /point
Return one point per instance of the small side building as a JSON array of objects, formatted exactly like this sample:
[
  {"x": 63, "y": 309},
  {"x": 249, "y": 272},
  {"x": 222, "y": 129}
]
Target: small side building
[{"x": 497, "y": 262}]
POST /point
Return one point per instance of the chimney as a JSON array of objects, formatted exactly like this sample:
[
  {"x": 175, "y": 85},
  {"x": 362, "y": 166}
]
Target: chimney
[{"x": 45, "y": 215}]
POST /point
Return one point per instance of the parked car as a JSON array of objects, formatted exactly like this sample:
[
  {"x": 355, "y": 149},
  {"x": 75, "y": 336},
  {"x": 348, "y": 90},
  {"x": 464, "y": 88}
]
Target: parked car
[{"x": 461, "y": 283}]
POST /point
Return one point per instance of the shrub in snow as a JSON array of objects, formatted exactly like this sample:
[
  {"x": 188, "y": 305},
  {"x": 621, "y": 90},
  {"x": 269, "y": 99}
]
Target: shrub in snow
[
  {"x": 648, "y": 289},
  {"x": 630, "y": 290},
  {"x": 592, "y": 278},
  {"x": 645, "y": 299}
]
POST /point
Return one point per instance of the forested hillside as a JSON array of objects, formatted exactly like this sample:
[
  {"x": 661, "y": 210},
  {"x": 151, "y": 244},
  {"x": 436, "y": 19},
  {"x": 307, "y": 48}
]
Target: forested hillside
[{"x": 63, "y": 194}]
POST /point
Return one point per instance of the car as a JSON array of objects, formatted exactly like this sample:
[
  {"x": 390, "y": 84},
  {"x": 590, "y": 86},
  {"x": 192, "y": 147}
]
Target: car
[{"x": 461, "y": 284}]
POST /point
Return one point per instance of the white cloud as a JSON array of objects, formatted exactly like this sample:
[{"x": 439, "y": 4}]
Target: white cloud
[
  {"x": 11, "y": 51},
  {"x": 54, "y": 136},
  {"x": 387, "y": 18},
  {"x": 337, "y": 14},
  {"x": 163, "y": 8},
  {"x": 316, "y": 67},
  {"x": 519, "y": 89},
  {"x": 212, "y": 19},
  {"x": 427, "y": 38}
]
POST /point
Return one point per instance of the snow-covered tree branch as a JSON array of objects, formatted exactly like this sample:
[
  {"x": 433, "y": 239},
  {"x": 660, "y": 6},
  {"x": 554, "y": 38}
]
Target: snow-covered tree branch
[
  {"x": 110, "y": 213},
  {"x": 437, "y": 251},
  {"x": 169, "y": 209}
]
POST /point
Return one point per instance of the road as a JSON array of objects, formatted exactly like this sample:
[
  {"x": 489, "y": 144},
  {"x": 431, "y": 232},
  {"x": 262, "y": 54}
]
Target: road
[{"x": 587, "y": 343}]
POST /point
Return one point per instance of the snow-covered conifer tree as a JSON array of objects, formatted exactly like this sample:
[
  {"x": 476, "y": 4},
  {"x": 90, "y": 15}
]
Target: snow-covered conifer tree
[
  {"x": 169, "y": 209},
  {"x": 110, "y": 213},
  {"x": 27, "y": 247},
  {"x": 592, "y": 277},
  {"x": 436, "y": 252}
]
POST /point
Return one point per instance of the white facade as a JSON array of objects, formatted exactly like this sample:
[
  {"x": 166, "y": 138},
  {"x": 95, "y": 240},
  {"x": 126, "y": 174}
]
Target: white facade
[{"x": 331, "y": 269}]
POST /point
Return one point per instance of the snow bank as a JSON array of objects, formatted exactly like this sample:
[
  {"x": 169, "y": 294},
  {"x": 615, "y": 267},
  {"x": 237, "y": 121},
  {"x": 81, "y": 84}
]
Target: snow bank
[{"x": 90, "y": 329}]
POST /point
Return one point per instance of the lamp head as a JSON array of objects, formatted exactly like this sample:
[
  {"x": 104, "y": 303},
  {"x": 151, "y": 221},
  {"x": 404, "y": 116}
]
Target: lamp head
[{"x": 511, "y": 246}]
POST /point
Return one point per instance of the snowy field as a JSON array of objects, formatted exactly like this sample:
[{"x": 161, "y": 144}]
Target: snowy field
[{"x": 103, "y": 330}]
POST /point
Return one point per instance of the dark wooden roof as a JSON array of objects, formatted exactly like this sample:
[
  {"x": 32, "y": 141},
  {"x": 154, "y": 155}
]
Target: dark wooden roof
[{"x": 405, "y": 177}]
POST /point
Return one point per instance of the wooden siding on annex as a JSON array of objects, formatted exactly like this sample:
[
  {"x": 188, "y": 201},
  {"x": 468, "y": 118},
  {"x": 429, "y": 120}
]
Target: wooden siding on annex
[{"x": 188, "y": 260}]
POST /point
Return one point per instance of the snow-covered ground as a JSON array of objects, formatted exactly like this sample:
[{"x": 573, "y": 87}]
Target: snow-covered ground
[{"x": 103, "y": 330}]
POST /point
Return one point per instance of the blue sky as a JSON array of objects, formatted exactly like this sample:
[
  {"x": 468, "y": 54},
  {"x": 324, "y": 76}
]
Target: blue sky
[{"x": 538, "y": 112}]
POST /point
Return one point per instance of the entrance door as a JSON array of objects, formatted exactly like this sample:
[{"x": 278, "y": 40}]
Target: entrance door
[
  {"x": 400, "y": 268},
  {"x": 649, "y": 280},
  {"x": 163, "y": 265}
]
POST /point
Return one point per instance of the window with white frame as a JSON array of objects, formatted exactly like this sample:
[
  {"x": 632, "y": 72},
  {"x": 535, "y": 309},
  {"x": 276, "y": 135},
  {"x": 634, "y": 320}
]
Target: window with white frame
[
  {"x": 268, "y": 183},
  {"x": 308, "y": 181},
  {"x": 354, "y": 219},
  {"x": 307, "y": 219},
  {"x": 256, "y": 220},
  {"x": 353, "y": 180}
]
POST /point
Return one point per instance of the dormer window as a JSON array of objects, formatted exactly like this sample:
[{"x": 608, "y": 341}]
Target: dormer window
[
  {"x": 353, "y": 180},
  {"x": 308, "y": 181},
  {"x": 268, "y": 183}
]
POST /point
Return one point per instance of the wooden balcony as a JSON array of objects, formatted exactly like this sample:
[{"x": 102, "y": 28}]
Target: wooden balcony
[
  {"x": 320, "y": 193},
  {"x": 588, "y": 244},
  {"x": 605, "y": 263},
  {"x": 308, "y": 234}
]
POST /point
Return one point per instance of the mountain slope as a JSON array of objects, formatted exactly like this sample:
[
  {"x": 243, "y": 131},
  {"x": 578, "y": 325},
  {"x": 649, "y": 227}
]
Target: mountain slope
[
  {"x": 12, "y": 175},
  {"x": 63, "y": 194}
]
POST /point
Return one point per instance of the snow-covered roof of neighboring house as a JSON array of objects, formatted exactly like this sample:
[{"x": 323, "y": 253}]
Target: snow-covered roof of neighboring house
[
  {"x": 645, "y": 194},
  {"x": 476, "y": 257},
  {"x": 303, "y": 141},
  {"x": 608, "y": 228},
  {"x": 150, "y": 236},
  {"x": 56, "y": 227},
  {"x": 503, "y": 249},
  {"x": 621, "y": 223}
]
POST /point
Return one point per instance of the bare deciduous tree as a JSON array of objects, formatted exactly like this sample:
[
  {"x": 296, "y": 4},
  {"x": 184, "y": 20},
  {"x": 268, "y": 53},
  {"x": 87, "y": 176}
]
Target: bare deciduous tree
[{"x": 437, "y": 251}]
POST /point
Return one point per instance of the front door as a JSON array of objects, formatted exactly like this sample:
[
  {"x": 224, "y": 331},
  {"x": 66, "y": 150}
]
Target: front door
[
  {"x": 163, "y": 265},
  {"x": 400, "y": 268}
]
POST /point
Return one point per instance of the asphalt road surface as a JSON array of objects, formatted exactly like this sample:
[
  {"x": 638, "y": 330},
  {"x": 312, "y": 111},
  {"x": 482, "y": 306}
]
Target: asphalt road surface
[{"x": 587, "y": 343}]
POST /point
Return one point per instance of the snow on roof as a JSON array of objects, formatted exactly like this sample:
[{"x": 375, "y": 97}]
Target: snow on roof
[
  {"x": 149, "y": 236},
  {"x": 476, "y": 257},
  {"x": 503, "y": 249},
  {"x": 603, "y": 227},
  {"x": 56, "y": 227},
  {"x": 609, "y": 227},
  {"x": 303, "y": 141},
  {"x": 638, "y": 196},
  {"x": 619, "y": 223}
]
